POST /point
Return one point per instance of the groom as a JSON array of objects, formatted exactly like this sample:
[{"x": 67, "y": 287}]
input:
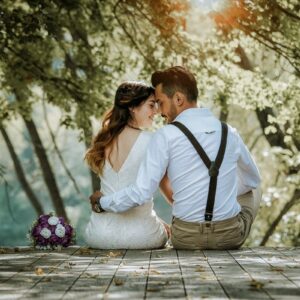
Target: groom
[{"x": 210, "y": 169}]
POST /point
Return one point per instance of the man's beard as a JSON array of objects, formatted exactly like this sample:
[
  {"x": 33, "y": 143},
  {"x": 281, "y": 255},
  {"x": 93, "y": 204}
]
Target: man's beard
[{"x": 172, "y": 113}]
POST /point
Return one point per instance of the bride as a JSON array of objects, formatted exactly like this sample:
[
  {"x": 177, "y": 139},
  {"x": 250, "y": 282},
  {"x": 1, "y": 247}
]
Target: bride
[{"x": 115, "y": 154}]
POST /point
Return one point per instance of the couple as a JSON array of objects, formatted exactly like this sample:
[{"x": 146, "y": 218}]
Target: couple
[{"x": 201, "y": 165}]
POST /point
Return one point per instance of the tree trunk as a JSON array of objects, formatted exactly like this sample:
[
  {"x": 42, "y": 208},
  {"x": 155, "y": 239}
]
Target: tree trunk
[
  {"x": 224, "y": 108},
  {"x": 21, "y": 175},
  {"x": 47, "y": 172},
  {"x": 284, "y": 210}
]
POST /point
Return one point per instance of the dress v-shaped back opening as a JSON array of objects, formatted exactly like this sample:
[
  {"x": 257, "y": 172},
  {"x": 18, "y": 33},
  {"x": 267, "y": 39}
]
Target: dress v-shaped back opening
[
  {"x": 127, "y": 157},
  {"x": 136, "y": 228}
]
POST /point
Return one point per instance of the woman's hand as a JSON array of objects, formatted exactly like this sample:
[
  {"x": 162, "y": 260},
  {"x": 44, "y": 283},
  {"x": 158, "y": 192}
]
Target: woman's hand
[{"x": 168, "y": 229}]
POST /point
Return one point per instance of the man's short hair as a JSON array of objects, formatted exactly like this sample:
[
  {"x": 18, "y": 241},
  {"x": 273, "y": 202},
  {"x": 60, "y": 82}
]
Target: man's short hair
[{"x": 176, "y": 79}]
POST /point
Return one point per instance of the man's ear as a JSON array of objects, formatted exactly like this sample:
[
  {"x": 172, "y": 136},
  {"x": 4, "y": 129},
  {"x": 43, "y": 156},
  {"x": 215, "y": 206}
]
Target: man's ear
[{"x": 179, "y": 98}]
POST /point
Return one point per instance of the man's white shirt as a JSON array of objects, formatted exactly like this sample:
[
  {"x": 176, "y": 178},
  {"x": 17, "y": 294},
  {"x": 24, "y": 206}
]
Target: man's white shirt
[{"x": 170, "y": 151}]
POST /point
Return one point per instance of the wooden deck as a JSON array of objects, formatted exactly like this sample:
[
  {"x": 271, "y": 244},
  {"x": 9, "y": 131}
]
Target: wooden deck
[{"x": 82, "y": 273}]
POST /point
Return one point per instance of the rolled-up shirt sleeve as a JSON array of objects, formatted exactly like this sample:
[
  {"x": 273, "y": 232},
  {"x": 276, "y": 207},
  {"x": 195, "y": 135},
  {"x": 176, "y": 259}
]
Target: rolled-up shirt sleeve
[
  {"x": 248, "y": 174},
  {"x": 151, "y": 171}
]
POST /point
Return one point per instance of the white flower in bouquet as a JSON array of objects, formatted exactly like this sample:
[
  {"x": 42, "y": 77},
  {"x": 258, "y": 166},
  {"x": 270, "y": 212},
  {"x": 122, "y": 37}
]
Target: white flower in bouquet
[
  {"x": 63, "y": 236},
  {"x": 45, "y": 233},
  {"x": 53, "y": 220},
  {"x": 60, "y": 230}
]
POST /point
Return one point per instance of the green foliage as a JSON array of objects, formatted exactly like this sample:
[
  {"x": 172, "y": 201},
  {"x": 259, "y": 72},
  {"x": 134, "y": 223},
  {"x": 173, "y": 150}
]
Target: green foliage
[
  {"x": 73, "y": 54},
  {"x": 62, "y": 49}
]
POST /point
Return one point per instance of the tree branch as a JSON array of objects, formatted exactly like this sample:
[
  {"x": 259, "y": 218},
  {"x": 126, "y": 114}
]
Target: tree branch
[
  {"x": 21, "y": 174},
  {"x": 130, "y": 37},
  {"x": 294, "y": 200},
  {"x": 60, "y": 155}
]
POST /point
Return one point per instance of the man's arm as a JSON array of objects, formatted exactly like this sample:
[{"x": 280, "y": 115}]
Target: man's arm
[
  {"x": 248, "y": 174},
  {"x": 151, "y": 171},
  {"x": 166, "y": 189}
]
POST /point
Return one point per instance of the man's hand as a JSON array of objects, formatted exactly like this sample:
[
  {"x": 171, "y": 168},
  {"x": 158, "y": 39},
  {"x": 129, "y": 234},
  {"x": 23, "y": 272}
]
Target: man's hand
[{"x": 94, "y": 200}]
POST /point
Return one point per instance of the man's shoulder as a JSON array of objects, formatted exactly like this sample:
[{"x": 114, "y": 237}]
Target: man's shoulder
[
  {"x": 231, "y": 128},
  {"x": 233, "y": 136},
  {"x": 166, "y": 131}
]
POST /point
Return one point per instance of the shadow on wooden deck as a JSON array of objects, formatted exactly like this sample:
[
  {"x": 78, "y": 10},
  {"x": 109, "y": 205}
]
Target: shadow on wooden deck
[{"x": 82, "y": 273}]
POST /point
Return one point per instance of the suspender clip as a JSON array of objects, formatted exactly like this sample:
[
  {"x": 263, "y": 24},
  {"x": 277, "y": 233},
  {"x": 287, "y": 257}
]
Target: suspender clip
[
  {"x": 213, "y": 170},
  {"x": 208, "y": 216}
]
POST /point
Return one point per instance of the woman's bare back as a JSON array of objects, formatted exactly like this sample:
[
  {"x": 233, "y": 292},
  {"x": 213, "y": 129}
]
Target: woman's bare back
[{"x": 120, "y": 150}]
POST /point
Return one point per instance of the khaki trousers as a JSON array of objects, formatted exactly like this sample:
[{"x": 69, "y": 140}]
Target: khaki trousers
[{"x": 226, "y": 234}]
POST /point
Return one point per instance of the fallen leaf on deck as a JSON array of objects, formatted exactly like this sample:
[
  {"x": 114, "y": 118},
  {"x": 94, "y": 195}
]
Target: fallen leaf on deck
[
  {"x": 118, "y": 281},
  {"x": 137, "y": 273},
  {"x": 39, "y": 271},
  {"x": 256, "y": 284},
  {"x": 84, "y": 251},
  {"x": 199, "y": 269},
  {"x": 89, "y": 275},
  {"x": 67, "y": 265},
  {"x": 114, "y": 254},
  {"x": 277, "y": 269},
  {"x": 154, "y": 272},
  {"x": 153, "y": 289},
  {"x": 103, "y": 260},
  {"x": 47, "y": 279}
]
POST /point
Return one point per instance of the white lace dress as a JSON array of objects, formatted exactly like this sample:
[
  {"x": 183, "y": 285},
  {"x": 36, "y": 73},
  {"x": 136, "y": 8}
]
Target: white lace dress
[{"x": 137, "y": 228}]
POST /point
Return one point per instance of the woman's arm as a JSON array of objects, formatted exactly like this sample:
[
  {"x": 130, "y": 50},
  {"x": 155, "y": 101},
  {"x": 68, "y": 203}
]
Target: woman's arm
[{"x": 165, "y": 188}]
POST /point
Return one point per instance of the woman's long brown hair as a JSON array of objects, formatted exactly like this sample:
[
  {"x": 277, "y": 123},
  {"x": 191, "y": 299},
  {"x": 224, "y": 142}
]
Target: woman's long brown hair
[{"x": 128, "y": 95}]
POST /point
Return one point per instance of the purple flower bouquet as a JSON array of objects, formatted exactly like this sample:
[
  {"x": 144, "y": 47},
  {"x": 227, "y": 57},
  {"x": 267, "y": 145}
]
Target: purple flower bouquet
[{"x": 51, "y": 232}]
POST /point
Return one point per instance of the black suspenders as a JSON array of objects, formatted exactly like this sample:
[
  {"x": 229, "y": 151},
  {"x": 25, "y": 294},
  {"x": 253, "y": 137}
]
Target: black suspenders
[{"x": 212, "y": 166}]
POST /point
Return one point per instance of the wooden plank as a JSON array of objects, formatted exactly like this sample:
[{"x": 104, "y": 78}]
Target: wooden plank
[
  {"x": 199, "y": 279},
  {"x": 65, "y": 275},
  {"x": 130, "y": 279},
  {"x": 28, "y": 278},
  {"x": 265, "y": 278},
  {"x": 80, "y": 273},
  {"x": 234, "y": 279},
  {"x": 95, "y": 280},
  {"x": 292, "y": 253},
  {"x": 292, "y": 257},
  {"x": 14, "y": 260},
  {"x": 279, "y": 262},
  {"x": 164, "y": 276}
]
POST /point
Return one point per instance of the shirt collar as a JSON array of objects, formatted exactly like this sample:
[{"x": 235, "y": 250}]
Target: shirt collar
[{"x": 200, "y": 112}]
